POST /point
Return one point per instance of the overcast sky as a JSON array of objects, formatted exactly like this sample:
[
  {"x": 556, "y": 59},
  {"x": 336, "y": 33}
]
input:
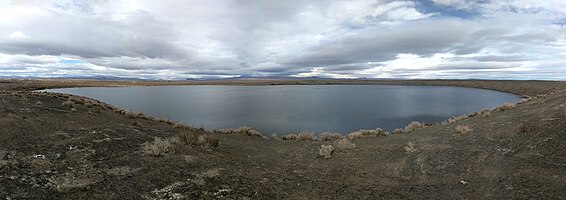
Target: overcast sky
[{"x": 175, "y": 39}]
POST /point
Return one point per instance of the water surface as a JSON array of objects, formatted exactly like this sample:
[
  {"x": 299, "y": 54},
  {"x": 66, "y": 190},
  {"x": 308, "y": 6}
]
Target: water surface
[{"x": 286, "y": 109}]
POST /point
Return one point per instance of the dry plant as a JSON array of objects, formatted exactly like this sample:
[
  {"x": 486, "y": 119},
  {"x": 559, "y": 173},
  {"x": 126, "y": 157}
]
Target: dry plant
[
  {"x": 397, "y": 131},
  {"x": 344, "y": 144},
  {"x": 306, "y": 135},
  {"x": 274, "y": 136},
  {"x": 354, "y": 135},
  {"x": 328, "y": 136},
  {"x": 462, "y": 129},
  {"x": 208, "y": 141},
  {"x": 454, "y": 119},
  {"x": 505, "y": 106},
  {"x": 526, "y": 127},
  {"x": 244, "y": 130},
  {"x": 326, "y": 151},
  {"x": 69, "y": 104},
  {"x": 413, "y": 126},
  {"x": 158, "y": 147},
  {"x": 290, "y": 136},
  {"x": 485, "y": 112},
  {"x": 187, "y": 137}
]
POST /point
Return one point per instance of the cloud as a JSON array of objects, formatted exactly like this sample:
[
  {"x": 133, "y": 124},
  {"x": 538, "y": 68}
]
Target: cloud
[{"x": 340, "y": 39}]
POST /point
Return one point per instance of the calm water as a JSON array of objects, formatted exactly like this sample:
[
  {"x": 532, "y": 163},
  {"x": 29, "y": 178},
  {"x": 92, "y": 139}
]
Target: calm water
[{"x": 285, "y": 109}]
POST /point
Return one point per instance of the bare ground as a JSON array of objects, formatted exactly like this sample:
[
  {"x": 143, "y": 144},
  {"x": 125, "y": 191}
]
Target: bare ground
[{"x": 48, "y": 151}]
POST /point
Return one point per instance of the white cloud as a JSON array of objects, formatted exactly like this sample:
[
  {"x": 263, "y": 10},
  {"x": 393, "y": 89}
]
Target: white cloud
[
  {"x": 18, "y": 35},
  {"x": 399, "y": 11}
]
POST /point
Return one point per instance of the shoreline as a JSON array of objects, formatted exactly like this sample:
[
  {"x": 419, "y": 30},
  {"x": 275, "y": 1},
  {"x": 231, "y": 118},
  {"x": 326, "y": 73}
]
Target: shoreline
[{"x": 522, "y": 99}]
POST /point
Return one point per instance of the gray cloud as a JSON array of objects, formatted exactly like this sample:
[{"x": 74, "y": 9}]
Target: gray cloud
[{"x": 376, "y": 38}]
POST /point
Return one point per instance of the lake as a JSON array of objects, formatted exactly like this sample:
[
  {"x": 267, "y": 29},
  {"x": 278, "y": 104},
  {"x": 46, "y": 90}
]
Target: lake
[{"x": 291, "y": 109}]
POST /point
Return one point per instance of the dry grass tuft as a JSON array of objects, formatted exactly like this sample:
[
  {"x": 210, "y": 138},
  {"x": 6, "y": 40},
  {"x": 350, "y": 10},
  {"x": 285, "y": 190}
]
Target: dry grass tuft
[
  {"x": 181, "y": 126},
  {"x": 413, "y": 126},
  {"x": 326, "y": 151},
  {"x": 135, "y": 123},
  {"x": 355, "y": 135},
  {"x": 344, "y": 144},
  {"x": 77, "y": 100},
  {"x": 463, "y": 129},
  {"x": 526, "y": 127},
  {"x": 244, "y": 130},
  {"x": 366, "y": 133},
  {"x": 473, "y": 114},
  {"x": 187, "y": 137},
  {"x": 410, "y": 147},
  {"x": 208, "y": 141},
  {"x": 306, "y": 135},
  {"x": 485, "y": 112},
  {"x": 290, "y": 136},
  {"x": 159, "y": 147},
  {"x": 274, "y": 136},
  {"x": 397, "y": 131},
  {"x": 132, "y": 115},
  {"x": 69, "y": 104},
  {"x": 504, "y": 107},
  {"x": 328, "y": 136},
  {"x": 454, "y": 119}
]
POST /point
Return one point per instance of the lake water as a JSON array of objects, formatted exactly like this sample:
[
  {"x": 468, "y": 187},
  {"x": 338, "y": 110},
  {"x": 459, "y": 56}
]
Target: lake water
[{"x": 291, "y": 109}]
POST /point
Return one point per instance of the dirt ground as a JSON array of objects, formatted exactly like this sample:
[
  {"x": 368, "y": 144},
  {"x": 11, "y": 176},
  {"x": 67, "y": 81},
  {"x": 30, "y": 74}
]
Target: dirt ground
[{"x": 48, "y": 151}]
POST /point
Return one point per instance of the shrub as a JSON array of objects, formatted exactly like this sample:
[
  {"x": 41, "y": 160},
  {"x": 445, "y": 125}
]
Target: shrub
[
  {"x": 463, "y": 129},
  {"x": 328, "y": 136},
  {"x": 76, "y": 100},
  {"x": 454, "y": 119},
  {"x": 180, "y": 126},
  {"x": 244, "y": 130},
  {"x": 158, "y": 147},
  {"x": 326, "y": 151},
  {"x": 413, "y": 126},
  {"x": 208, "y": 141},
  {"x": 344, "y": 144},
  {"x": 306, "y": 135},
  {"x": 69, "y": 104},
  {"x": 131, "y": 114},
  {"x": 526, "y": 127},
  {"x": 274, "y": 136},
  {"x": 473, "y": 114},
  {"x": 397, "y": 131},
  {"x": 187, "y": 137},
  {"x": 355, "y": 135},
  {"x": 505, "y": 106},
  {"x": 485, "y": 112},
  {"x": 410, "y": 147},
  {"x": 367, "y": 133},
  {"x": 98, "y": 109},
  {"x": 290, "y": 136}
]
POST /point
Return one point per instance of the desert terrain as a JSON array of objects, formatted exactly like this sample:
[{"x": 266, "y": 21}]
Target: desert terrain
[{"x": 57, "y": 146}]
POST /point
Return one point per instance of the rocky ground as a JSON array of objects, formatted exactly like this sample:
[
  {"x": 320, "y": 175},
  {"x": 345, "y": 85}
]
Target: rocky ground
[{"x": 89, "y": 150}]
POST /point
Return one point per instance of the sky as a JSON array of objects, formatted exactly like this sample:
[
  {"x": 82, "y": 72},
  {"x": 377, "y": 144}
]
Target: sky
[{"x": 179, "y": 39}]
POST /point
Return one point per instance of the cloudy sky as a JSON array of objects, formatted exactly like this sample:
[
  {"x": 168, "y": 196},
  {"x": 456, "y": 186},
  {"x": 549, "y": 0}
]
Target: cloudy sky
[{"x": 175, "y": 39}]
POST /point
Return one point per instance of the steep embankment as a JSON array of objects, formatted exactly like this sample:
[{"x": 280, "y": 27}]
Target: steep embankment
[{"x": 48, "y": 151}]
